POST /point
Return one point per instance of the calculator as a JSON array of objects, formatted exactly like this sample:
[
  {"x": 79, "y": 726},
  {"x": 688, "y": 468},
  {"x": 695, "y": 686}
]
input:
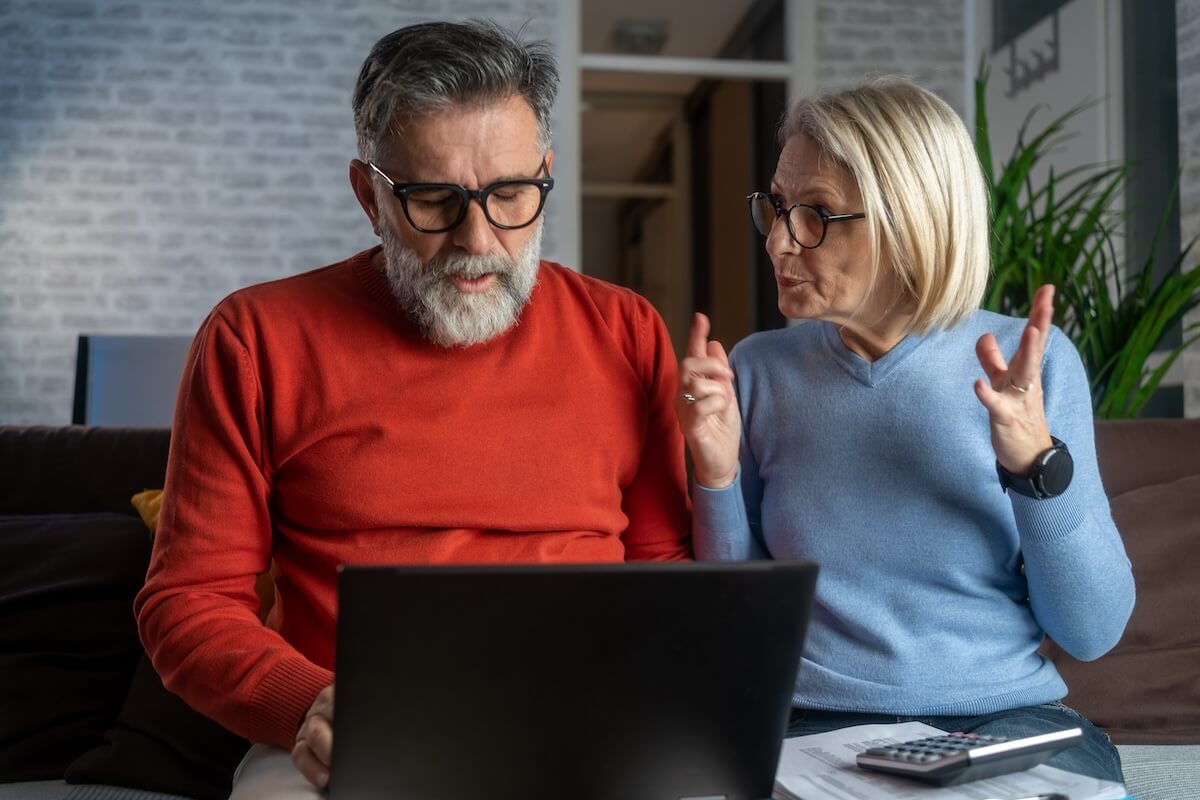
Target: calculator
[{"x": 961, "y": 757}]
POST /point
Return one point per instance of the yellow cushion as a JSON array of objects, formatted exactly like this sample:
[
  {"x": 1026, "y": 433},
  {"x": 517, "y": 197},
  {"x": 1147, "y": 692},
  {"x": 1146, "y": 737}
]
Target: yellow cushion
[{"x": 148, "y": 504}]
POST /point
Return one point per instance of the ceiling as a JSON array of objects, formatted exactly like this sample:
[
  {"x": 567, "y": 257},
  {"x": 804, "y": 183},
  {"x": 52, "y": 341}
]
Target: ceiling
[{"x": 624, "y": 114}]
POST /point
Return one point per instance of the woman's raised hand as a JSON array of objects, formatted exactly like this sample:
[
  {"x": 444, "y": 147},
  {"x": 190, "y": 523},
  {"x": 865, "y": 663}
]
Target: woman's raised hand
[
  {"x": 707, "y": 409},
  {"x": 1012, "y": 394}
]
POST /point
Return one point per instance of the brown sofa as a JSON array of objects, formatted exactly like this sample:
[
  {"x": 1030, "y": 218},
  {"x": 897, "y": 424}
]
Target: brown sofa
[
  {"x": 80, "y": 698},
  {"x": 81, "y": 702},
  {"x": 1146, "y": 692}
]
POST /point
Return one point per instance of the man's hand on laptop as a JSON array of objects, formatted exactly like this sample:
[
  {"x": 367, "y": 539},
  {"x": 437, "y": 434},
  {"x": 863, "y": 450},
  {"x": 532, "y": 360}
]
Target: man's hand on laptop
[{"x": 314, "y": 741}]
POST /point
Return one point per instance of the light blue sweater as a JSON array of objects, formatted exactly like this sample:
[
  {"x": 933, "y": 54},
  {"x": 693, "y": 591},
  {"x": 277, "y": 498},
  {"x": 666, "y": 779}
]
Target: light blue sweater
[{"x": 884, "y": 474}]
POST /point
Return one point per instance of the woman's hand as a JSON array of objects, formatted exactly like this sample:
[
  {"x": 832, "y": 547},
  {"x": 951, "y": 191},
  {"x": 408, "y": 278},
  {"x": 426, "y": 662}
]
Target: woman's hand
[
  {"x": 707, "y": 409},
  {"x": 314, "y": 742},
  {"x": 1014, "y": 401}
]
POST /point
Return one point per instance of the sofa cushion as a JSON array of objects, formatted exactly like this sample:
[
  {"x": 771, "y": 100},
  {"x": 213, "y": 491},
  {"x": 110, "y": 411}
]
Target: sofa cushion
[
  {"x": 58, "y": 790},
  {"x": 68, "y": 642},
  {"x": 1145, "y": 690},
  {"x": 1161, "y": 772},
  {"x": 161, "y": 744}
]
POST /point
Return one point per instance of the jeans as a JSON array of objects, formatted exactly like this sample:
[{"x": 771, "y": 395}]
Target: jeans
[{"x": 1095, "y": 755}]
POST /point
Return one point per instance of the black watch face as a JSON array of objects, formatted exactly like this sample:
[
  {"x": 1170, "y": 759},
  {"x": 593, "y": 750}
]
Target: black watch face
[{"x": 1056, "y": 472}]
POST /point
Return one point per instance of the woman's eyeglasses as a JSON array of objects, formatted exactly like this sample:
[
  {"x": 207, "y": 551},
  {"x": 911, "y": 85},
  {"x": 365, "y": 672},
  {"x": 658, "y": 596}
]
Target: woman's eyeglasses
[{"x": 807, "y": 225}]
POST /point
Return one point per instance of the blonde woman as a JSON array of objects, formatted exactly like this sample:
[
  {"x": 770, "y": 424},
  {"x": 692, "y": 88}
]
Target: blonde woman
[{"x": 937, "y": 461}]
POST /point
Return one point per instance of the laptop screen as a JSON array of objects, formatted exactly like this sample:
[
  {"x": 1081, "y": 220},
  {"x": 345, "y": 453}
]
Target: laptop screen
[{"x": 621, "y": 681}]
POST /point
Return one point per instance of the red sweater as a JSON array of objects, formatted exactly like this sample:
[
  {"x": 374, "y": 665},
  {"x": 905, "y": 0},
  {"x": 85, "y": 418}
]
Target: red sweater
[{"x": 316, "y": 427}]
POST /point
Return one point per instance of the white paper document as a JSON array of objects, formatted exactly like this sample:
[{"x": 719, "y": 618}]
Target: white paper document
[{"x": 822, "y": 767}]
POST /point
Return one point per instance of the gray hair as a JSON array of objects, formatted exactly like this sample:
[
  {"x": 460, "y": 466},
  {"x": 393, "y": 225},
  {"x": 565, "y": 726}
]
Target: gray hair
[{"x": 436, "y": 66}]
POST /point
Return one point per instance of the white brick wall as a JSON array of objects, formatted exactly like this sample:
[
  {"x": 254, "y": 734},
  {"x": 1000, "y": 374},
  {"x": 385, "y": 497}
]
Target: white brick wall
[
  {"x": 1187, "y": 41},
  {"x": 156, "y": 155},
  {"x": 921, "y": 39}
]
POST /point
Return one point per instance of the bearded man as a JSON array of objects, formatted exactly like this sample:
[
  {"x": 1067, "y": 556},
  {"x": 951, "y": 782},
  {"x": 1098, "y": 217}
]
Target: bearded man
[{"x": 446, "y": 397}]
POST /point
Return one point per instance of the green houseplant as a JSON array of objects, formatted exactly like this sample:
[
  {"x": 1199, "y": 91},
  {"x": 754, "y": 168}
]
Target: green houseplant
[{"x": 1065, "y": 232}]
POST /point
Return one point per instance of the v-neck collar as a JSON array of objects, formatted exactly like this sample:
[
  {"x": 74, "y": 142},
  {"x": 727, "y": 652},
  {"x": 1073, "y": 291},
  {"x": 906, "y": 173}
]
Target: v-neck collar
[{"x": 868, "y": 373}]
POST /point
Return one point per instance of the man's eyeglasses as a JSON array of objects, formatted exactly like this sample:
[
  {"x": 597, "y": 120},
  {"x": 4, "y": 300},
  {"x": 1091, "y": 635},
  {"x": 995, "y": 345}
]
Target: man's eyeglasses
[
  {"x": 806, "y": 224},
  {"x": 440, "y": 207}
]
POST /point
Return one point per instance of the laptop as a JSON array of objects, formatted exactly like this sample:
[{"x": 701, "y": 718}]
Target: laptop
[{"x": 599, "y": 682}]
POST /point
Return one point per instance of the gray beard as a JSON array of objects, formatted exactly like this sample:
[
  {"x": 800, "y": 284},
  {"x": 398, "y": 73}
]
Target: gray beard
[{"x": 442, "y": 313}]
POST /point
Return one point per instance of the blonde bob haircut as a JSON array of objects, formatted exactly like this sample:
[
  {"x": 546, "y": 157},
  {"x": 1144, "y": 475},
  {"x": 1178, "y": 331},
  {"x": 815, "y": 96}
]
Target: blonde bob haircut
[{"x": 922, "y": 189}]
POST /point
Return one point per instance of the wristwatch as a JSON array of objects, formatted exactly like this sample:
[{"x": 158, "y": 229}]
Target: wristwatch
[{"x": 1051, "y": 474}]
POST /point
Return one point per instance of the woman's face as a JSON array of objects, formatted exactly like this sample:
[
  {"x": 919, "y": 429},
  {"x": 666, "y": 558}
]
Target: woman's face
[{"x": 831, "y": 282}]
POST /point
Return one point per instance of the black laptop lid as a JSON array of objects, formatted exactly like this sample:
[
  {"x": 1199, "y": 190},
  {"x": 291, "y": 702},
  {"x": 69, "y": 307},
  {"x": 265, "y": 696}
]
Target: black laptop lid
[{"x": 612, "y": 682}]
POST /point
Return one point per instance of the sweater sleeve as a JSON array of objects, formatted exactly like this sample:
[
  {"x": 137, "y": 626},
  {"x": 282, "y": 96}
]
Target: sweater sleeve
[
  {"x": 1080, "y": 582},
  {"x": 727, "y": 523},
  {"x": 197, "y": 612},
  {"x": 656, "y": 500}
]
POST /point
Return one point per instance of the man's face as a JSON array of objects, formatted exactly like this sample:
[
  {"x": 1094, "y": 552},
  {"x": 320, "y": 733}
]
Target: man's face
[{"x": 468, "y": 284}]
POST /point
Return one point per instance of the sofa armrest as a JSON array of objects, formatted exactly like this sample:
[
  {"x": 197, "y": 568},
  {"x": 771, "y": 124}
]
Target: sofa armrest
[{"x": 1146, "y": 691}]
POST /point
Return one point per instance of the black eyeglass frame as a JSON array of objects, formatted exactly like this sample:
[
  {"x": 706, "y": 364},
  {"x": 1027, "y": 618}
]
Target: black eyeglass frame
[
  {"x": 402, "y": 190},
  {"x": 780, "y": 211}
]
